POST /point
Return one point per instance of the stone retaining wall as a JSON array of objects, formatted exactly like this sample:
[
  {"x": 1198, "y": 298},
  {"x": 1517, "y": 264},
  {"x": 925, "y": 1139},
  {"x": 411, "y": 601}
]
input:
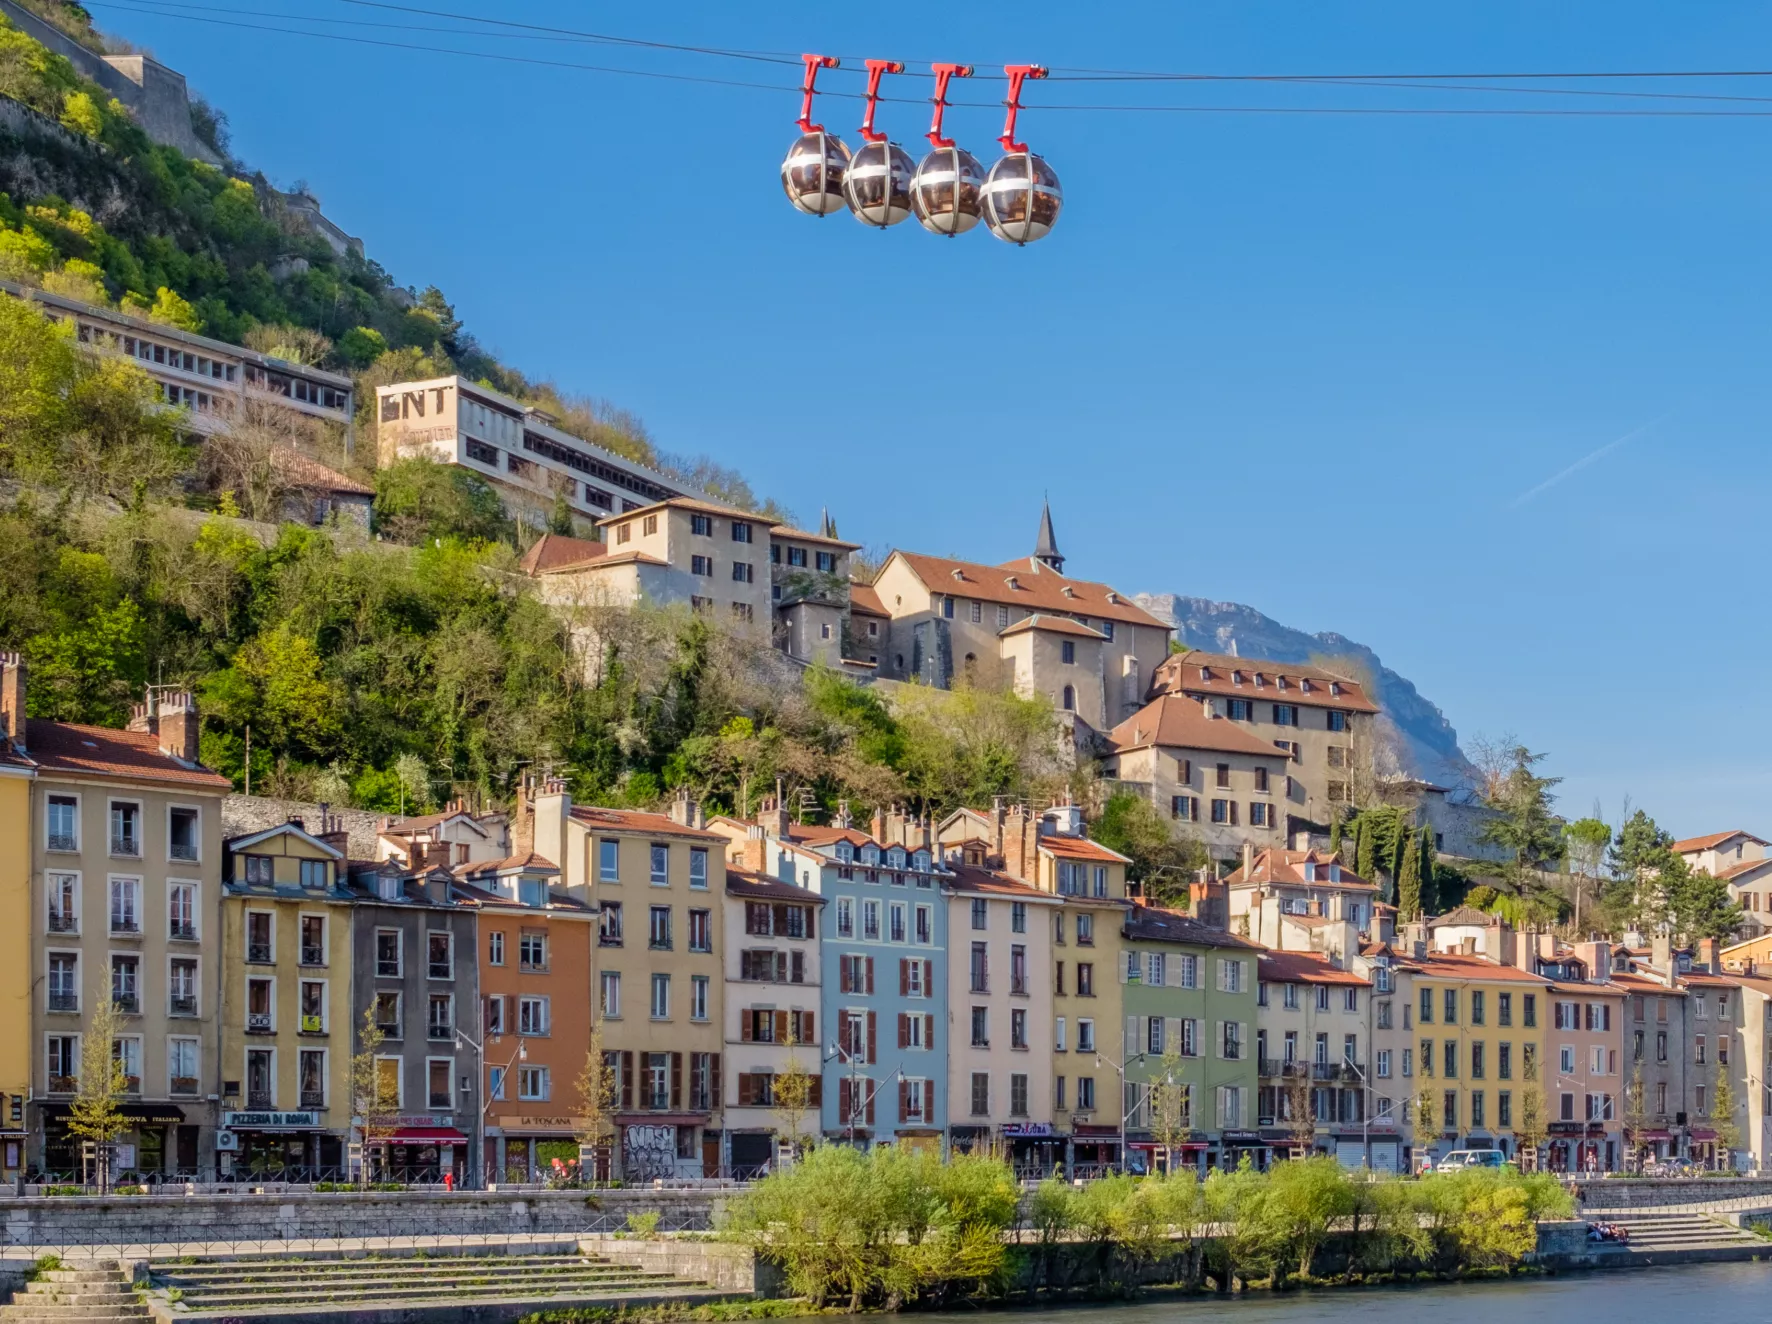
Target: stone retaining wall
[
  {"x": 1635, "y": 1193},
  {"x": 730, "y": 1268},
  {"x": 109, "y": 1220}
]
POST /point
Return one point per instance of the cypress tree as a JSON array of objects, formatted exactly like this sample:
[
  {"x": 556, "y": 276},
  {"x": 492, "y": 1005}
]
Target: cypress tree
[
  {"x": 1409, "y": 882},
  {"x": 1335, "y": 836},
  {"x": 1405, "y": 842},
  {"x": 1430, "y": 891},
  {"x": 1365, "y": 848}
]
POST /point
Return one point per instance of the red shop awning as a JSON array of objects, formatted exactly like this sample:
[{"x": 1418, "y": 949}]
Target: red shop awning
[{"x": 428, "y": 1135}]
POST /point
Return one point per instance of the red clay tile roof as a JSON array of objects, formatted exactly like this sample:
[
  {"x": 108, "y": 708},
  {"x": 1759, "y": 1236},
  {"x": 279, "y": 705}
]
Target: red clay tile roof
[
  {"x": 1286, "y": 866},
  {"x": 1743, "y": 866},
  {"x": 1644, "y": 984},
  {"x": 304, "y": 471},
  {"x": 1454, "y": 965},
  {"x": 1692, "y": 845},
  {"x": 1080, "y": 848},
  {"x": 106, "y": 752},
  {"x": 1175, "y": 721},
  {"x": 634, "y": 820},
  {"x": 1052, "y": 625},
  {"x": 1304, "y": 968},
  {"x": 1465, "y": 915},
  {"x": 789, "y": 532},
  {"x": 864, "y": 599},
  {"x": 1036, "y": 587},
  {"x": 764, "y": 887},
  {"x": 689, "y": 503},
  {"x": 532, "y": 862},
  {"x": 551, "y": 551},
  {"x": 988, "y": 882},
  {"x": 1213, "y": 673}
]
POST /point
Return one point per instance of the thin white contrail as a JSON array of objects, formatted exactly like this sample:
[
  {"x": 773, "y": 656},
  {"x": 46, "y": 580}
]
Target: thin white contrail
[{"x": 1586, "y": 460}]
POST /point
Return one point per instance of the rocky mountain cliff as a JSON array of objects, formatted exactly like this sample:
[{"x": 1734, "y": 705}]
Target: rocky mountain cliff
[{"x": 1426, "y": 744}]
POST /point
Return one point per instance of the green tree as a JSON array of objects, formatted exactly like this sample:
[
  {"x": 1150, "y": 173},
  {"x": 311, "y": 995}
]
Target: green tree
[
  {"x": 418, "y": 501},
  {"x": 96, "y": 1115},
  {"x": 1429, "y": 871},
  {"x": 1163, "y": 860},
  {"x": 1170, "y": 1101},
  {"x": 1524, "y": 824},
  {"x": 1698, "y": 905},
  {"x": 1409, "y": 880},
  {"x": 1586, "y": 840}
]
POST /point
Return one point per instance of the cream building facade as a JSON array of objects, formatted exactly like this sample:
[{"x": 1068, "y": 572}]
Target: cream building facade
[
  {"x": 1089, "y": 649},
  {"x": 1739, "y": 859}
]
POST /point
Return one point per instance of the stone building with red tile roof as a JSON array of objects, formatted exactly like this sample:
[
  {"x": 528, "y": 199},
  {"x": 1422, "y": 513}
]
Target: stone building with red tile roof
[{"x": 1088, "y": 648}]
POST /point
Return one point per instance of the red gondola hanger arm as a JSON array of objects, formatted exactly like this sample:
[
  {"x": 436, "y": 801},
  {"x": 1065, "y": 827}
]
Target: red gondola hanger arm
[
  {"x": 1018, "y": 73},
  {"x": 809, "y": 86},
  {"x": 943, "y": 72},
  {"x": 875, "y": 69}
]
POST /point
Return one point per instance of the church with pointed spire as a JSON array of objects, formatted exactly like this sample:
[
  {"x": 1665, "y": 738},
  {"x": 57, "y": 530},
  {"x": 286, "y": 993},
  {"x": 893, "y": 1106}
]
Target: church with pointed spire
[{"x": 1023, "y": 623}]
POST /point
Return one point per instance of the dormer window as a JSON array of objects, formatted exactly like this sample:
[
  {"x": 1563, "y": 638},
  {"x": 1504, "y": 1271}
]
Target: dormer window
[
  {"x": 1279, "y": 682},
  {"x": 920, "y": 861},
  {"x": 1205, "y": 673},
  {"x": 387, "y": 888},
  {"x": 1305, "y": 684},
  {"x": 895, "y": 858},
  {"x": 870, "y": 855},
  {"x": 1334, "y": 872},
  {"x": 1010, "y": 582},
  {"x": 1236, "y": 677},
  {"x": 1068, "y": 591},
  {"x": 845, "y": 853},
  {"x": 1260, "y": 680},
  {"x": 959, "y": 575},
  {"x": 1113, "y": 597},
  {"x": 1310, "y": 871},
  {"x": 1335, "y": 688}
]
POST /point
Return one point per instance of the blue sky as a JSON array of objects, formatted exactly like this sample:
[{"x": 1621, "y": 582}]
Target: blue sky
[{"x": 1321, "y": 364}]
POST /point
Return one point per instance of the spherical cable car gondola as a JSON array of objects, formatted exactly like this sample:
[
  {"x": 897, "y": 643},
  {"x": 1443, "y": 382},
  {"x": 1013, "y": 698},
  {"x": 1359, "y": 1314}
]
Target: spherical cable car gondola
[
  {"x": 812, "y": 174},
  {"x": 946, "y": 191}
]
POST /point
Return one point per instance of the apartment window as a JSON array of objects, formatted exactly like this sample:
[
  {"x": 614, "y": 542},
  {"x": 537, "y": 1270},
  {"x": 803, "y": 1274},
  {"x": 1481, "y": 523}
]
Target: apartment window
[
  {"x": 64, "y": 982},
  {"x": 387, "y": 953},
  {"x": 1504, "y": 1008},
  {"x": 870, "y": 921},
  {"x": 126, "y": 829},
  {"x": 1260, "y": 814},
  {"x": 845, "y": 917},
  {"x": 387, "y": 1013},
  {"x": 975, "y": 613},
  {"x": 659, "y": 929},
  {"x": 896, "y": 917},
  {"x": 610, "y": 1000},
  {"x": 1185, "y": 808},
  {"x": 532, "y": 952},
  {"x": 701, "y": 931},
  {"x": 1477, "y": 1008},
  {"x": 260, "y": 870},
  {"x": 1337, "y": 720},
  {"x": 64, "y": 902},
  {"x": 495, "y": 948},
  {"x": 980, "y": 913},
  {"x": 624, "y": 532},
  {"x": 311, "y": 1079},
  {"x": 312, "y": 1007},
  {"x": 181, "y": 986},
  {"x": 533, "y": 1016},
  {"x": 698, "y": 867},
  {"x": 63, "y": 829},
  {"x": 64, "y": 1063},
  {"x": 1504, "y": 1061},
  {"x": 1068, "y": 652},
  {"x": 258, "y": 939},
  {"x": 181, "y": 1066},
  {"x": 698, "y": 997},
  {"x": 1530, "y": 1010},
  {"x": 741, "y": 531},
  {"x": 702, "y": 526},
  {"x": 1285, "y": 714},
  {"x": 661, "y": 997},
  {"x": 126, "y": 905},
  {"x": 183, "y": 834},
  {"x": 1449, "y": 1001},
  {"x": 1018, "y": 1095},
  {"x": 1018, "y": 1028},
  {"x": 533, "y": 1084},
  {"x": 1085, "y": 982},
  {"x": 741, "y": 572},
  {"x": 126, "y": 1053},
  {"x": 313, "y": 940},
  {"x": 313, "y": 875},
  {"x": 925, "y": 930},
  {"x": 1383, "y": 1060},
  {"x": 608, "y": 861},
  {"x": 981, "y": 1027},
  {"x": 825, "y": 562},
  {"x": 439, "y": 956},
  {"x": 1350, "y": 999},
  {"x": 660, "y": 862},
  {"x": 440, "y": 1016}
]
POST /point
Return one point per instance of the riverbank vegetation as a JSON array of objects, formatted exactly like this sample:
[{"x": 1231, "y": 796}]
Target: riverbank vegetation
[{"x": 891, "y": 1227}]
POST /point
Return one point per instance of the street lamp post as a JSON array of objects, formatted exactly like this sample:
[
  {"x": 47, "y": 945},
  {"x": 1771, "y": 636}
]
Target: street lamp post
[
  {"x": 479, "y": 1050},
  {"x": 1121, "y": 1111}
]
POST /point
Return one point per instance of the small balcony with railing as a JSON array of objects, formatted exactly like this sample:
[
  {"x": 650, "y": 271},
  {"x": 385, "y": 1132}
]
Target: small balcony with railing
[
  {"x": 182, "y": 1004},
  {"x": 127, "y": 1001},
  {"x": 62, "y": 841},
  {"x": 64, "y": 1084},
  {"x": 126, "y": 844},
  {"x": 63, "y": 921},
  {"x": 260, "y": 1022},
  {"x": 313, "y": 955},
  {"x": 1274, "y": 1068},
  {"x": 182, "y": 1085},
  {"x": 64, "y": 1000},
  {"x": 313, "y": 1100},
  {"x": 181, "y": 930},
  {"x": 260, "y": 1100}
]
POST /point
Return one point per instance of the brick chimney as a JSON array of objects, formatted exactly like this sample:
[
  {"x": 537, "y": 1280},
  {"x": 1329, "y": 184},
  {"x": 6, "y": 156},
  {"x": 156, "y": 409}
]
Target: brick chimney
[
  {"x": 523, "y": 820},
  {"x": 999, "y": 810},
  {"x": 1598, "y": 956},
  {"x": 141, "y": 718},
  {"x": 1021, "y": 852},
  {"x": 178, "y": 726},
  {"x": 1209, "y": 902},
  {"x": 877, "y": 829},
  {"x": 332, "y": 832},
  {"x": 12, "y": 699},
  {"x": 756, "y": 852},
  {"x": 773, "y": 817},
  {"x": 1706, "y": 955}
]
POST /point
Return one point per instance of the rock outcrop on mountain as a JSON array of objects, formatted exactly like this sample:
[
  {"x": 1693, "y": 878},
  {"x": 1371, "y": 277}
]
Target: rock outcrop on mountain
[{"x": 1426, "y": 744}]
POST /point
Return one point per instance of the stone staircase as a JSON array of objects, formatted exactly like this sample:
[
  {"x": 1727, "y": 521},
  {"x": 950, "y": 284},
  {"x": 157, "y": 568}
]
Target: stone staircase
[
  {"x": 91, "y": 1293},
  {"x": 294, "y": 1285},
  {"x": 1658, "y": 1232}
]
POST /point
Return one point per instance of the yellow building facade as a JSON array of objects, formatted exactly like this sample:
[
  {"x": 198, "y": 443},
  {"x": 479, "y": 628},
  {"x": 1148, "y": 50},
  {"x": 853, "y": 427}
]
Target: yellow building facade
[{"x": 286, "y": 1031}]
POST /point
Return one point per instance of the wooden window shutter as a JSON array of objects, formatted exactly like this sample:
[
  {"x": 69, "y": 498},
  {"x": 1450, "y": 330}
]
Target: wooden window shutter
[
  {"x": 844, "y": 1097},
  {"x": 780, "y": 917},
  {"x": 1187, "y": 771},
  {"x": 811, "y": 1035},
  {"x": 781, "y": 1027},
  {"x": 904, "y": 1030},
  {"x": 744, "y": 1027},
  {"x": 797, "y": 968},
  {"x": 873, "y": 1055},
  {"x": 928, "y": 1031},
  {"x": 716, "y": 1101},
  {"x": 871, "y": 1097},
  {"x": 815, "y": 1095},
  {"x": 904, "y": 1099},
  {"x": 676, "y": 1080},
  {"x": 746, "y": 1083},
  {"x": 904, "y": 976},
  {"x": 627, "y": 1081},
  {"x": 870, "y": 972},
  {"x": 928, "y": 979}
]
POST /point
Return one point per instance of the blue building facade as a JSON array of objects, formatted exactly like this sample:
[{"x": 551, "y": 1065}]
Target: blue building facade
[{"x": 883, "y": 949}]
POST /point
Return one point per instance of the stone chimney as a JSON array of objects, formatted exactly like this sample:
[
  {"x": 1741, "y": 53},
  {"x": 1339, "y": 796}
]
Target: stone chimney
[
  {"x": 1661, "y": 957},
  {"x": 12, "y": 699},
  {"x": 682, "y": 807},
  {"x": 1598, "y": 955},
  {"x": 1498, "y": 943},
  {"x": 523, "y": 819},
  {"x": 141, "y": 718},
  {"x": 1248, "y": 861},
  {"x": 877, "y": 829},
  {"x": 844, "y": 818},
  {"x": 756, "y": 853},
  {"x": 178, "y": 726},
  {"x": 545, "y": 832},
  {"x": 999, "y": 811},
  {"x": 772, "y": 817},
  {"x": 1209, "y": 902}
]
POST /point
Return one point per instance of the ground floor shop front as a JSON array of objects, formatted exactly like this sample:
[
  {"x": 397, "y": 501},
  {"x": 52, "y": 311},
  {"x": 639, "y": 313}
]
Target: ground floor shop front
[{"x": 159, "y": 1142}]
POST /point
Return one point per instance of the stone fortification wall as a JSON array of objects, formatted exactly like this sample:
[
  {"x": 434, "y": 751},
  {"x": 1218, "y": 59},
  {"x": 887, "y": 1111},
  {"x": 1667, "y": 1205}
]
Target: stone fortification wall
[{"x": 254, "y": 813}]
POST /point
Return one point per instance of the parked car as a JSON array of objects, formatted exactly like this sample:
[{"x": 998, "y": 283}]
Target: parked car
[{"x": 1460, "y": 1159}]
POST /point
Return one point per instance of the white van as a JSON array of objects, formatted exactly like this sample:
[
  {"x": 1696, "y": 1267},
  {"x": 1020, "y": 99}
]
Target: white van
[{"x": 1460, "y": 1159}]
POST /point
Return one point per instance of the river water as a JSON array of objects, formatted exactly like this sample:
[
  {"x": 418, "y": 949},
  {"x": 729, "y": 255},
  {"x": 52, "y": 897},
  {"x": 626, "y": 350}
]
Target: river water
[{"x": 1738, "y": 1292}]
